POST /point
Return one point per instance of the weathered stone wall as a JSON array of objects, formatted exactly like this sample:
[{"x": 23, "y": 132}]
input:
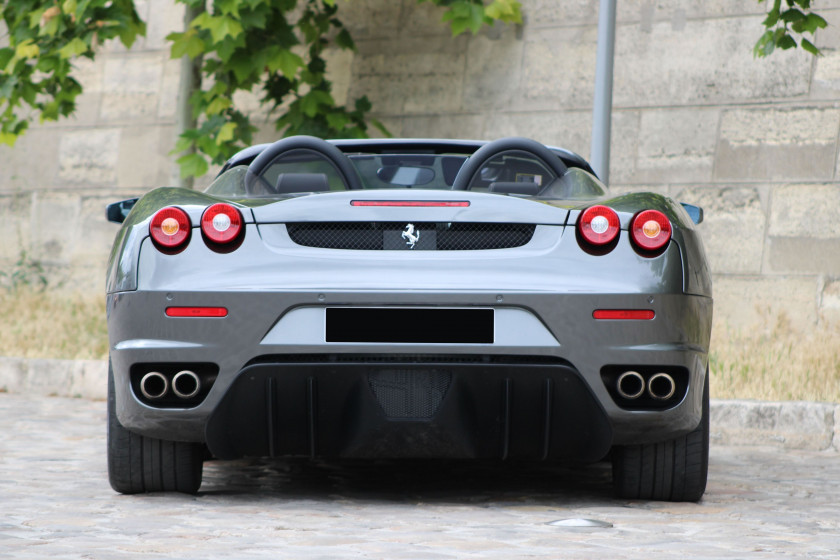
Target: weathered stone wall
[{"x": 755, "y": 142}]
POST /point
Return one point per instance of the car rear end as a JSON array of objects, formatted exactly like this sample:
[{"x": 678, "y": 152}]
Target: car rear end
[{"x": 409, "y": 323}]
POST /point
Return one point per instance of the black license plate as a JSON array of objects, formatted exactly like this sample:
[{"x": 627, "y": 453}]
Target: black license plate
[{"x": 409, "y": 325}]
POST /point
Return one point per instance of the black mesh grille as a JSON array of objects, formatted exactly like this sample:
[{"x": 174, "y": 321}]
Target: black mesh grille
[
  {"x": 405, "y": 393},
  {"x": 421, "y": 236}
]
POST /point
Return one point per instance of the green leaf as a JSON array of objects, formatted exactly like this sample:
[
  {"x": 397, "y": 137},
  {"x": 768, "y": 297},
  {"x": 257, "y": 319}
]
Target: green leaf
[
  {"x": 218, "y": 26},
  {"x": 772, "y": 18},
  {"x": 8, "y": 138},
  {"x": 337, "y": 120},
  {"x": 287, "y": 62},
  {"x": 192, "y": 165},
  {"x": 344, "y": 40},
  {"x": 814, "y": 22},
  {"x": 226, "y": 133},
  {"x": 26, "y": 49},
  {"x": 786, "y": 42},
  {"x": 792, "y": 15},
  {"x": 186, "y": 44},
  {"x": 810, "y": 47},
  {"x": 218, "y": 105},
  {"x": 73, "y": 48}
]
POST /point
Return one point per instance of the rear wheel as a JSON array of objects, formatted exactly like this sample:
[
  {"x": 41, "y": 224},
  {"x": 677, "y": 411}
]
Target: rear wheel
[
  {"x": 673, "y": 470},
  {"x": 141, "y": 464}
]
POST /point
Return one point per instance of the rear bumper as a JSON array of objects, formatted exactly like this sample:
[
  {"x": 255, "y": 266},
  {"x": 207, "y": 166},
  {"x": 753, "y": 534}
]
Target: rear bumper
[{"x": 548, "y": 355}]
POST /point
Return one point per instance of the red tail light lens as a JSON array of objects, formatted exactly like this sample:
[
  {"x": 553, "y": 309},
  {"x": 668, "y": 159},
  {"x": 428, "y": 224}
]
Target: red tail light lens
[
  {"x": 221, "y": 223},
  {"x": 170, "y": 227},
  {"x": 650, "y": 230},
  {"x": 599, "y": 225},
  {"x": 196, "y": 312}
]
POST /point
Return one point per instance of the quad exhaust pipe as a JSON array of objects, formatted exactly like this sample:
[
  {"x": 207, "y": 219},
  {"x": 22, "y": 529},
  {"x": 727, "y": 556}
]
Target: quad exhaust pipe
[
  {"x": 661, "y": 386},
  {"x": 631, "y": 385},
  {"x": 154, "y": 385},
  {"x": 185, "y": 385}
]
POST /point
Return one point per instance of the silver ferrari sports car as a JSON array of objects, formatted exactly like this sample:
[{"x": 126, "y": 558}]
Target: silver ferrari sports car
[{"x": 409, "y": 299}]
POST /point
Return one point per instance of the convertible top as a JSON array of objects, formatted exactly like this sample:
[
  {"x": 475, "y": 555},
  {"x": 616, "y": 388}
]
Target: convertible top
[{"x": 402, "y": 145}]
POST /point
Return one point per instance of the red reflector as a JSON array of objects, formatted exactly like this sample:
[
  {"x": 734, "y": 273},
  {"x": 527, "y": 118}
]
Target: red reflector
[
  {"x": 624, "y": 314},
  {"x": 196, "y": 312},
  {"x": 413, "y": 203}
]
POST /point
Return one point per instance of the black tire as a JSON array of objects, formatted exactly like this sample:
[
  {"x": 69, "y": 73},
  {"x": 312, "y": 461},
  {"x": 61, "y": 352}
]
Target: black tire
[
  {"x": 139, "y": 464},
  {"x": 674, "y": 470}
]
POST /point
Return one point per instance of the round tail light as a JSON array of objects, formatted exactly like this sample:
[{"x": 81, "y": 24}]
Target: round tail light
[
  {"x": 650, "y": 230},
  {"x": 221, "y": 223},
  {"x": 170, "y": 227},
  {"x": 599, "y": 225}
]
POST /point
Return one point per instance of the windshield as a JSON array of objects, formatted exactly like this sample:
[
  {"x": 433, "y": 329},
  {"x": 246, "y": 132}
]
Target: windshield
[{"x": 302, "y": 171}]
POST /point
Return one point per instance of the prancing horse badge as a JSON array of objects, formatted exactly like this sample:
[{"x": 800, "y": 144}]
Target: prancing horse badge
[{"x": 410, "y": 237}]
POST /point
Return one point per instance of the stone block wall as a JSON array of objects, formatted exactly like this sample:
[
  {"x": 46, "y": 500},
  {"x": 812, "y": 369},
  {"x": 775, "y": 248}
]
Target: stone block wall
[{"x": 753, "y": 141}]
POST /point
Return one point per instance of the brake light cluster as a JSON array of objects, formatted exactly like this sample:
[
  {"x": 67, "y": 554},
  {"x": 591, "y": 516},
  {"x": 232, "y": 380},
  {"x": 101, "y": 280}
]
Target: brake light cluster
[
  {"x": 599, "y": 226},
  {"x": 222, "y": 227}
]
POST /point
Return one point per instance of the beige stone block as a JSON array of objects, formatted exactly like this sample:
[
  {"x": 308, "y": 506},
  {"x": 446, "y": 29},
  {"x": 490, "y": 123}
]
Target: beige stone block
[
  {"x": 829, "y": 306},
  {"x": 132, "y": 85},
  {"x": 169, "y": 84},
  {"x": 54, "y": 227},
  {"x": 540, "y": 13},
  {"x": 624, "y": 146},
  {"x": 705, "y": 61},
  {"x": 558, "y": 69},
  {"x": 89, "y": 157},
  {"x": 777, "y": 144},
  {"x": 164, "y": 17},
  {"x": 676, "y": 145},
  {"x": 418, "y": 19},
  {"x": 787, "y": 425},
  {"x": 747, "y": 302},
  {"x": 339, "y": 72},
  {"x": 493, "y": 71},
  {"x": 826, "y": 82},
  {"x": 94, "y": 232},
  {"x": 33, "y": 161},
  {"x": 798, "y": 255},
  {"x": 732, "y": 229},
  {"x": 446, "y": 126},
  {"x": 143, "y": 157},
  {"x": 15, "y": 211},
  {"x": 415, "y": 76},
  {"x": 645, "y": 12},
  {"x": 563, "y": 129},
  {"x": 374, "y": 19},
  {"x": 805, "y": 211}
]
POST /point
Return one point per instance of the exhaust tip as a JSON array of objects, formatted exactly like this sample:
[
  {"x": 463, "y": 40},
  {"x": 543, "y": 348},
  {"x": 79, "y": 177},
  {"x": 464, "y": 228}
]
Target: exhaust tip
[
  {"x": 661, "y": 386},
  {"x": 154, "y": 385},
  {"x": 186, "y": 384},
  {"x": 630, "y": 385}
]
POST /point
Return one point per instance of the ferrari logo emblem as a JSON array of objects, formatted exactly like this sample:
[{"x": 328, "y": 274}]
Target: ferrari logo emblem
[{"x": 411, "y": 238}]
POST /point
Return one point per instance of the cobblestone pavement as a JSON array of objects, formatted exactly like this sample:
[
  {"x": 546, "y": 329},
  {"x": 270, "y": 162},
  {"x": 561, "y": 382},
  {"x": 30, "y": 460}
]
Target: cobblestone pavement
[{"x": 55, "y": 502}]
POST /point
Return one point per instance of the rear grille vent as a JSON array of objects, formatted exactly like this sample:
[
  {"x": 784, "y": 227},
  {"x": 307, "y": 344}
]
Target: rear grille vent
[
  {"x": 421, "y": 236},
  {"x": 409, "y": 393}
]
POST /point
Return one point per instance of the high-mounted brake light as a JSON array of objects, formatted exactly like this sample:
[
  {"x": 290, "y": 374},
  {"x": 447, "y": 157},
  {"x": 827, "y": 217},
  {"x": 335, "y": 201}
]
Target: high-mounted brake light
[
  {"x": 623, "y": 314},
  {"x": 650, "y": 230},
  {"x": 413, "y": 203},
  {"x": 196, "y": 312},
  {"x": 170, "y": 227},
  {"x": 599, "y": 225},
  {"x": 221, "y": 223}
]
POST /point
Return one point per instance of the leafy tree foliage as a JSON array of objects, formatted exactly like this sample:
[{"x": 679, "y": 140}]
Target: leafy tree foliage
[
  {"x": 43, "y": 37},
  {"x": 783, "y": 23},
  {"x": 276, "y": 48}
]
